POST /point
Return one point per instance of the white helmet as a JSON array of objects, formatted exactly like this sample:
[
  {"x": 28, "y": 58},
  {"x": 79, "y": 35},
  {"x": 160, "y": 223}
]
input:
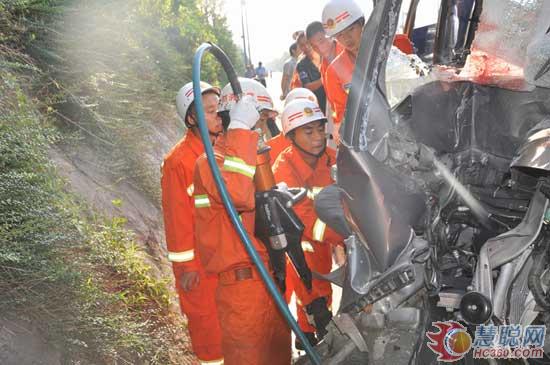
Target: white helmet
[
  {"x": 300, "y": 93},
  {"x": 185, "y": 97},
  {"x": 249, "y": 87},
  {"x": 340, "y": 14},
  {"x": 300, "y": 112}
]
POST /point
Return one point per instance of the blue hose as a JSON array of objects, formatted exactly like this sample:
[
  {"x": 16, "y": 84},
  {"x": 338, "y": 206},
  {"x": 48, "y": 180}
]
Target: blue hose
[{"x": 234, "y": 215}]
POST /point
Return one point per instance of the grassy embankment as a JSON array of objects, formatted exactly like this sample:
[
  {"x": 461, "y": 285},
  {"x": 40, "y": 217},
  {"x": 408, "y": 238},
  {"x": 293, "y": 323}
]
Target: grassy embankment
[{"x": 95, "y": 73}]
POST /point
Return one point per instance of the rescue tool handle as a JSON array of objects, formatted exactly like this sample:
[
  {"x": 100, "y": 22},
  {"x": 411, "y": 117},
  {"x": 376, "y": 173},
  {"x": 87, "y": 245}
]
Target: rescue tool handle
[
  {"x": 293, "y": 195},
  {"x": 297, "y": 194},
  {"x": 232, "y": 212}
]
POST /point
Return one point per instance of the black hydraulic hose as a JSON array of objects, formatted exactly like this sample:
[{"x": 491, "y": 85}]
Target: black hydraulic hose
[{"x": 225, "y": 62}]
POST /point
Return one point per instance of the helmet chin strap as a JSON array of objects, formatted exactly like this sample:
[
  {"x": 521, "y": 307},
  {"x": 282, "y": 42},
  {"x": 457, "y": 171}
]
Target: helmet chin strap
[
  {"x": 194, "y": 125},
  {"x": 213, "y": 134},
  {"x": 316, "y": 155}
]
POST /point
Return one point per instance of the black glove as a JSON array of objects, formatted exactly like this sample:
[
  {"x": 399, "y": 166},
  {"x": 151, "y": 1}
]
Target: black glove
[{"x": 321, "y": 315}]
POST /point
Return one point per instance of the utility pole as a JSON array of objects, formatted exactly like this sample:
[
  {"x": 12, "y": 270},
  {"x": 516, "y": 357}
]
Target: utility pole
[
  {"x": 243, "y": 33},
  {"x": 247, "y": 35}
]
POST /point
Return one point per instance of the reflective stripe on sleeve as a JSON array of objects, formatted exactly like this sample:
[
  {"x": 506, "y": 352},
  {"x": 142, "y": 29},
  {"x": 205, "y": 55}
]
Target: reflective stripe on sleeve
[
  {"x": 307, "y": 247},
  {"x": 319, "y": 230},
  {"x": 184, "y": 256},
  {"x": 235, "y": 164},
  {"x": 211, "y": 362},
  {"x": 202, "y": 201},
  {"x": 190, "y": 190}
]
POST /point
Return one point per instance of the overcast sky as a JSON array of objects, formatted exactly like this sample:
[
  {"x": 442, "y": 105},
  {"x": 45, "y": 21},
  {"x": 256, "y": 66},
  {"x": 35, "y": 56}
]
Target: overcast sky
[{"x": 272, "y": 22}]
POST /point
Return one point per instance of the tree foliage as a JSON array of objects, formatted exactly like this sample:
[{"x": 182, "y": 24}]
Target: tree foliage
[
  {"x": 111, "y": 70},
  {"x": 104, "y": 74}
]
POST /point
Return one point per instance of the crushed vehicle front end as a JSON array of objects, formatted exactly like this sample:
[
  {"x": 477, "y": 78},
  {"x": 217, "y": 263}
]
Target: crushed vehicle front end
[{"x": 444, "y": 181}]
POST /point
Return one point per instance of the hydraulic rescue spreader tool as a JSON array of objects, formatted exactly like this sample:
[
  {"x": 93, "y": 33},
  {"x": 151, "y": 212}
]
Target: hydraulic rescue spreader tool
[
  {"x": 224, "y": 194},
  {"x": 277, "y": 226}
]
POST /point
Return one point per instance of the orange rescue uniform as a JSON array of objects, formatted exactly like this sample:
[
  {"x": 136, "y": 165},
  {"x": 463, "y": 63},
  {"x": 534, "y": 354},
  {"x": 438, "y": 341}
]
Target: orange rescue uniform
[
  {"x": 254, "y": 332},
  {"x": 325, "y": 63},
  {"x": 199, "y": 303},
  {"x": 278, "y": 144},
  {"x": 337, "y": 84},
  {"x": 338, "y": 76},
  {"x": 295, "y": 82},
  {"x": 318, "y": 238},
  {"x": 323, "y": 69}
]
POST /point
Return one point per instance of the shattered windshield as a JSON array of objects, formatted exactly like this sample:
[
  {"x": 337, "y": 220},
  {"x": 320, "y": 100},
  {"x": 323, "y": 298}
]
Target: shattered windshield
[
  {"x": 453, "y": 108},
  {"x": 511, "y": 45},
  {"x": 510, "y": 49}
]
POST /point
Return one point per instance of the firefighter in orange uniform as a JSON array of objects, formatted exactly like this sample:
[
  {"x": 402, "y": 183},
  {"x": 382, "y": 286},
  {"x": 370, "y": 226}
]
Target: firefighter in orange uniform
[
  {"x": 196, "y": 289},
  {"x": 326, "y": 47},
  {"x": 344, "y": 20},
  {"x": 259, "y": 93},
  {"x": 306, "y": 163},
  {"x": 279, "y": 143},
  {"x": 253, "y": 330}
]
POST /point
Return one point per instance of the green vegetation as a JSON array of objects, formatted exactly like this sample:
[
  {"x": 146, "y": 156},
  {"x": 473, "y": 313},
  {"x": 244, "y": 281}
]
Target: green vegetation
[
  {"x": 110, "y": 69},
  {"x": 83, "y": 281},
  {"x": 103, "y": 74}
]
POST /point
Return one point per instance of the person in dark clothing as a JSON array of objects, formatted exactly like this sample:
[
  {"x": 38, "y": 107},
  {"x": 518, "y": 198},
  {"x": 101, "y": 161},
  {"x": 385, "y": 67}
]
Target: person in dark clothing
[{"x": 308, "y": 71}]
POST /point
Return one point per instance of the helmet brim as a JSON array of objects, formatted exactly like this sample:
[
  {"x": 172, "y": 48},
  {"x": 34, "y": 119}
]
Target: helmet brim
[
  {"x": 215, "y": 89},
  {"x": 270, "y": 110},
  {"x": 324, "y": 120}
]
